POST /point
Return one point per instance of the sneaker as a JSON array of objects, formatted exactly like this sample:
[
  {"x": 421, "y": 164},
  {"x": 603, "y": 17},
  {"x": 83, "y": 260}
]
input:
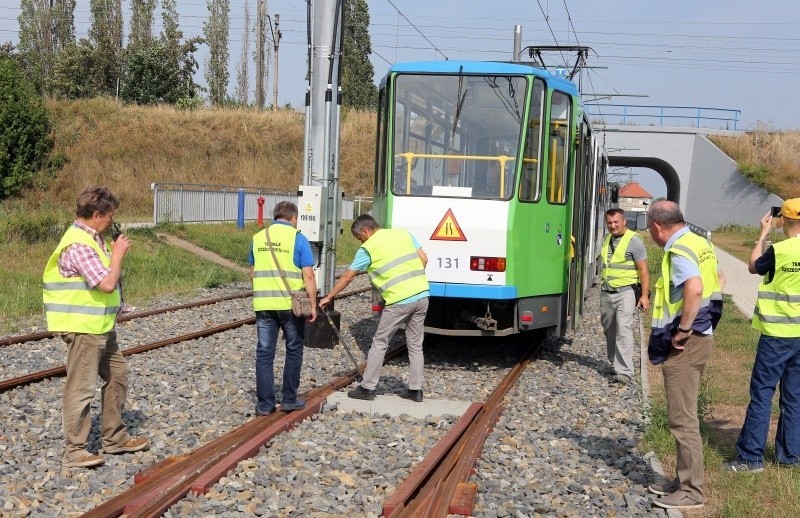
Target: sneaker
[
  {"x": 678, "y": 500},
  {"x": 84, "y": 460},
  {"x": 413, "y": 395},
  {"x": 295, "y": 405},
  {"x": 622, "y": 379},
  {"x": 260, "y": 413},
  {"x": 664, "y": 489},
  {"x": 361, "y": 393},
  {"x": 739, "y": 465},
  {"x": 133, "y": 444}
]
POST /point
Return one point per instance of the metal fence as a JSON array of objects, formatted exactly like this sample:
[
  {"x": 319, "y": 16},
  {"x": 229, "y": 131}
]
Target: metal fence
[
  {"x": 198, "y": 203},
  {"x": 691, "y": 116}
]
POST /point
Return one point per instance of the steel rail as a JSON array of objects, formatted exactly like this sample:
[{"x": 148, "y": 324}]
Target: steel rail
[
  {"x": 56, "y": 372},
  {"x": 444, "y": 489},
  {"x": 41, "y": 335},
  {"x": 165, "y": 483}
]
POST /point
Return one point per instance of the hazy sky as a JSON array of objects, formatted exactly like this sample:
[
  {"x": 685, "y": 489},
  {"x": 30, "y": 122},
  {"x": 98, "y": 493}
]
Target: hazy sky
[{"x": 739, "y": 55}]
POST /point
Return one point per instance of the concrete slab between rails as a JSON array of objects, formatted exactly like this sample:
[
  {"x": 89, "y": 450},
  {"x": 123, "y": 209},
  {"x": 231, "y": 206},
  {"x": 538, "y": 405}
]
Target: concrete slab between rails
[{"x": 394, "y": 405}]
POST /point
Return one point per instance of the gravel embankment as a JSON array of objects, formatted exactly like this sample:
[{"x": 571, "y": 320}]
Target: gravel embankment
[{"x": 564, "y": 446}]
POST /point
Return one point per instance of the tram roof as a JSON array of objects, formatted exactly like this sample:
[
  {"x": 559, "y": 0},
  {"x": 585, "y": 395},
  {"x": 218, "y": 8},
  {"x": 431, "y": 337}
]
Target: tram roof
[{"x": 482, "y": 67}]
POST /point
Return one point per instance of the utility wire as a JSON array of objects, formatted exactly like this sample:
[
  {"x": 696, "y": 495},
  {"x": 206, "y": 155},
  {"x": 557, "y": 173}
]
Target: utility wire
[{"x": 417, "y": 29}]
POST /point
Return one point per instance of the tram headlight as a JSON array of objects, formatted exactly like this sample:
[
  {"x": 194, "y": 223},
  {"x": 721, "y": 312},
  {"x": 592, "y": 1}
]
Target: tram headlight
[{"x": 487, "y": 264}]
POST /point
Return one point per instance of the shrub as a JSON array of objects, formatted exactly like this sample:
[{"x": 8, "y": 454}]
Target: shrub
[{"x": 25, "y": 127}]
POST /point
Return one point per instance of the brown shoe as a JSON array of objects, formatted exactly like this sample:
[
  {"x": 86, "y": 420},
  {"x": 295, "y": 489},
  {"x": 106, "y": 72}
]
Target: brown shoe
[
  {"x": 83, "y": 460},
  {"x": 678, "y": 500},
  {"x": 665, "y": 488},
  {"x": 134, "y": 444}
]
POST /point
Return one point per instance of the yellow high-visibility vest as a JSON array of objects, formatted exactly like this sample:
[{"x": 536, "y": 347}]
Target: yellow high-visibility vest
[
  {"x": 70, "y": 304},
  {"x": 618, "y": 272},
  {"x": 777, "y": 310},
  {"x": 269, "y": 291},
  {"x": 698, "y": 250},
  {"x": 395, "y": 269}
]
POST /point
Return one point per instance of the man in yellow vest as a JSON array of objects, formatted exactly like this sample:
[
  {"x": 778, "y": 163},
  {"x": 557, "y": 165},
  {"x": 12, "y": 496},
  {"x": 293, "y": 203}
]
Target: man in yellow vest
[
  {"x": 81, "y": 300},
  {"x": 686, "y": 308},
  {"x": 395, "y": 263},
  {"x": 273, "y": 305},
  {"x": 623, "y": 275},
  {"x": 777, "y": 316}
]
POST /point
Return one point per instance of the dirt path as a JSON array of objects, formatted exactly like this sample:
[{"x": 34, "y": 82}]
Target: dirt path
[{"x": 202, "y": 252}]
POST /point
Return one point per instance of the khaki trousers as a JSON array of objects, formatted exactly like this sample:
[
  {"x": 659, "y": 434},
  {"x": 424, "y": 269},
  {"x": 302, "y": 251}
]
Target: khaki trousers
[
  {"x": 90, "y": 356},
  {"x": 392, "y": 317},
  {"x": 682, "y": 372}
]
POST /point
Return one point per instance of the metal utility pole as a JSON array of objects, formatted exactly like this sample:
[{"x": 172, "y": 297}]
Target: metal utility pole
[
  {"x": 260, "y": 36},
  {"x": 320, "y": 196},
  {"x": 276, "y": 41}
]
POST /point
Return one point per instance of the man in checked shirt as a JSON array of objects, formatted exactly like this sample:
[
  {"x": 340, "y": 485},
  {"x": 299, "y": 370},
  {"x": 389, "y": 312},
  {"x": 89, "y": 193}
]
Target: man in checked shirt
[{"x": 81, "y": 301}]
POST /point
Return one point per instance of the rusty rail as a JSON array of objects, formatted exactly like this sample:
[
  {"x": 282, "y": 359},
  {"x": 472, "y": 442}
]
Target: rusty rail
[
  {"x": 440, "y": 485},
  {"x": 41, "y": 335},
  {"x": 159, "y": 487},
  {"x": 56, "y": 372}
]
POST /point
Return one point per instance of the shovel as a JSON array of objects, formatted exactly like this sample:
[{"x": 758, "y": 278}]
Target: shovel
[{"x": 341, "y": 340}]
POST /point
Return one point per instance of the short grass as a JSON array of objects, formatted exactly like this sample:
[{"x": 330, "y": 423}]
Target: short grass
[
  {"x": 233, "y": 244},
  {"x": 738, "y": 240},
  {"x": 723, "y": 400}
]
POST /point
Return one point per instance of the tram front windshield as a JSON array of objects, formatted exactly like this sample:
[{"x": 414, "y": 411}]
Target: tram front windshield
[{"x": 457, "y": 135}]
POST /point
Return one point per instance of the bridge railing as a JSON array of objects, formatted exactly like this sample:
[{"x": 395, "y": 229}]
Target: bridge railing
[{"x": 692, "y": 116}]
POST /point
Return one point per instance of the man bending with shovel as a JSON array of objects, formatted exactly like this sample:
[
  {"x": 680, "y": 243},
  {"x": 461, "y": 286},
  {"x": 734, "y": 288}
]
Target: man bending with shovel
[{"x": 395, "y": 263}]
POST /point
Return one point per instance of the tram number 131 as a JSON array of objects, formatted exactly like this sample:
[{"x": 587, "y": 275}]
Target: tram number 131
[{"x": 447, "y": 262}]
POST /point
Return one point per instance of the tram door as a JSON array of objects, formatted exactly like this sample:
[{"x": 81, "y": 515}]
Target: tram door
[{"x": 581, "y": 215}]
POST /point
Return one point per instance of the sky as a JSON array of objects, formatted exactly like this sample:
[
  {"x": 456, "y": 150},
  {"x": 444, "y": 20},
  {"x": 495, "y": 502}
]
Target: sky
[{"x": 733, "y": 55}]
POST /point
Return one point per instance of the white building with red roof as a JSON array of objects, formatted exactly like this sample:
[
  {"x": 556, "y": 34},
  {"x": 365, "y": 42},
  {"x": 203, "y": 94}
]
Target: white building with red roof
[{"x": 632, "y": 197}]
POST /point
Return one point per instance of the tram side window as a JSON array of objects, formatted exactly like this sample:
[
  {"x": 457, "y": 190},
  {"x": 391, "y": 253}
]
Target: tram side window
[
  {"x": 380, "y": 149},
  {"x": 559, "y": 147},
  {"x": 531, "y": 177}
]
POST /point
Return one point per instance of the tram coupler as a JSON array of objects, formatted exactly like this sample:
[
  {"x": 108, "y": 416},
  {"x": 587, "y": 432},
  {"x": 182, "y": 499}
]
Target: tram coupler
[{"x": 486, "y": 323}]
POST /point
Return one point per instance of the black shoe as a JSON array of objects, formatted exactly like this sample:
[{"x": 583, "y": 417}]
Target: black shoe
[
  {"x": 295, "y": 405},
  {"x": 260, "y": 413},
  {"x": 361, "y": 393},
  {"x": 413, "y": 395}
]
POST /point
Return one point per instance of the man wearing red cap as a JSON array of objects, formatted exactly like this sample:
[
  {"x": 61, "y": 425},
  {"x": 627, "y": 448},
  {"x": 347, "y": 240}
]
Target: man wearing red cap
[{"x": 777, "y": 316}]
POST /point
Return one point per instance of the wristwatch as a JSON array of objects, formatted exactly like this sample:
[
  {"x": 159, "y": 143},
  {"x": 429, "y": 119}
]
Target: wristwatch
[{"x": 682, "y": 330}]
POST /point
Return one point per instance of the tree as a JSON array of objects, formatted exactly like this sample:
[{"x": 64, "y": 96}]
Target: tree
[
  {"x": 105, "y": 32},
  {"x": 153, "y": 76},
  {"x": 63, "y": 17},
  {"x": 45, "y": 28},
  {"x": 25, "y": 127},
  {"x": 181, "y": 54},
  {"x": 242, "y": 75},
  {"x": 74, "y": 74},
  {"x": 141, "y": 22},
  {"x": 215, "y": 30},
  {"x": 357, "y": 83}
]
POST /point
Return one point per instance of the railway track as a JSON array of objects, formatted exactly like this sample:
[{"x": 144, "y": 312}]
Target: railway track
[
  {"x": 558, "y": 447},
  {"x": 438, "y": 486},
  {"x": 59, "y": 371}
]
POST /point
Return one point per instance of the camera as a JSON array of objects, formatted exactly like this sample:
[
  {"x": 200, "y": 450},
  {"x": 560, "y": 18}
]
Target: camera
[
  {"x": 776, "y": 211},
  {"x": 116, "y": 231}
]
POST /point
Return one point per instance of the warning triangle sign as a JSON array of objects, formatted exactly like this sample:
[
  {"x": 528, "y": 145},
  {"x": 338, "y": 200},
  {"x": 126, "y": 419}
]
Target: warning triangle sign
[{"x": 448, "y": 229}]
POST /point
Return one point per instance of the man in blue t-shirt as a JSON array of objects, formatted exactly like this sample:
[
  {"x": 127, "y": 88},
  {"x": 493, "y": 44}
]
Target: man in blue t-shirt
[
  {"x": 395, "y": 263},
  {"x": 272, "y": 304}
]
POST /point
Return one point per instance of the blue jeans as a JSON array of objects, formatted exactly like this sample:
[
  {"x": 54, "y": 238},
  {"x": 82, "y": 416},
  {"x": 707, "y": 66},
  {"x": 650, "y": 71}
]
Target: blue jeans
[
  {"x": 267, "y": 325},
  {"x": 777, "y": 359}
]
